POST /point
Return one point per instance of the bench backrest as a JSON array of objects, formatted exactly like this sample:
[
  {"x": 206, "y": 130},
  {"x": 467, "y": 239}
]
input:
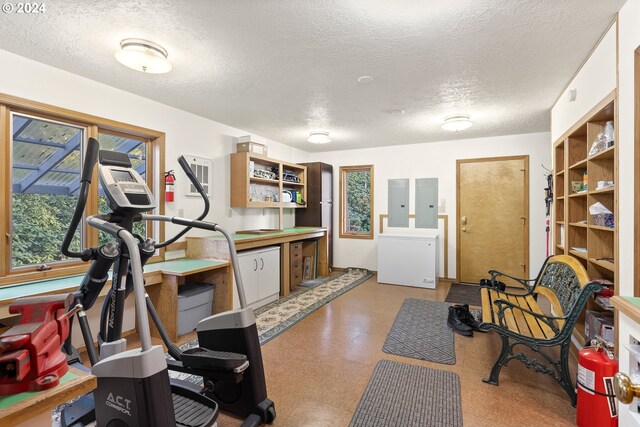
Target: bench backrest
[{"x": 565, "y": 277}]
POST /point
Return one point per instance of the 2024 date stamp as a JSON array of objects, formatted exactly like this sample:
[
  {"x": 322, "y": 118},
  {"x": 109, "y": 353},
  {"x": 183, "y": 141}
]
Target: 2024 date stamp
[{"x": 29, "y": 8}]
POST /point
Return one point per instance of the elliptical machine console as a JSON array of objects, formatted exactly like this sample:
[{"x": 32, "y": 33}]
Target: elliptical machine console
[
  {"x": 125, "y": 189},
  {"x": 134, "y": 388}
]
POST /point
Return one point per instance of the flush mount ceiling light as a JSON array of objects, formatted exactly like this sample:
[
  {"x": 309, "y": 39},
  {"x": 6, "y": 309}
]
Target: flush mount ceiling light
[
  {"x": 319, "y": 137},
  {"x": 457, "y": 122},
  {"x": 143, "y": 55}
]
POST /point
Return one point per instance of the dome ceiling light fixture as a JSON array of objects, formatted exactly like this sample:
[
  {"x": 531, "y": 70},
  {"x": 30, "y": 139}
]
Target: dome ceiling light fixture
[
  {"x": 457, "y": 122},
  {"x": 143, "y": 55},
  {"x": 319, "y": 137}
]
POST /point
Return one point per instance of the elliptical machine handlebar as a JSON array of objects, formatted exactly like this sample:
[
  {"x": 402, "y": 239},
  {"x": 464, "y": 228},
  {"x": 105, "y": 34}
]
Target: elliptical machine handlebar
[
  {"x": 187, "y": 170},
  {"x": 90, "y": 159},
  {"x": 204, "y": 225}
]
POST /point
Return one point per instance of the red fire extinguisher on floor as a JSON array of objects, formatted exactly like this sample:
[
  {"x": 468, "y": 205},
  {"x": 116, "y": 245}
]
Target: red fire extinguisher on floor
[
  {"x": 169, "y": 182},
  {"x": 597, "y": 406}
]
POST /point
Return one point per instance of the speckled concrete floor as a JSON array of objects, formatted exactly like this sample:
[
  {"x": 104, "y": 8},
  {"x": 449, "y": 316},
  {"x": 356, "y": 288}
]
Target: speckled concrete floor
[{"x": 317, "y": 370}]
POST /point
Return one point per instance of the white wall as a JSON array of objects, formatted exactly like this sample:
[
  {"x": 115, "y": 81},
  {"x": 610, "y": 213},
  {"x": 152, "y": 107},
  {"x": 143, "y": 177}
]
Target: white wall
[
  {"x": 186, "y": 133},
  {"x": 438, "y": 160},
  {"x": 596, "y": 79},
  {"x": 629, "y": 41}
]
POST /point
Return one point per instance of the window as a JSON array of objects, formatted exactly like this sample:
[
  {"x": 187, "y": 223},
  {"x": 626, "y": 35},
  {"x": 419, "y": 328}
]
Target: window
[
  {"x": 45, "y": 179},
  {"x": 356, "y": 202},
  {"x": 41, "y": 152}
]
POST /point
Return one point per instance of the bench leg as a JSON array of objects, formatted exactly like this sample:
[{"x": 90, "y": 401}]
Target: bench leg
[
  {"x": 564, "y": 372},
  {"x": 502, "y": 360}
]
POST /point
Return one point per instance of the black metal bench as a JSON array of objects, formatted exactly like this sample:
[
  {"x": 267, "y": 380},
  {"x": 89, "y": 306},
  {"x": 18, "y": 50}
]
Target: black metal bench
[{"x": 519, "y": 320}]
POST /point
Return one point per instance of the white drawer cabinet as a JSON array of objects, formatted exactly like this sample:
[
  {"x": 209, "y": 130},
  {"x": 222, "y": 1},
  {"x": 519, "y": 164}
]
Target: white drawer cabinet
[{"x": 260, "y": 271}]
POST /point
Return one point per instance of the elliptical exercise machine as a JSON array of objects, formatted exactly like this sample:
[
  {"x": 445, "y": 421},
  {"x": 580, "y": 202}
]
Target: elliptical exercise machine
[{"x": 134, "y": 388}]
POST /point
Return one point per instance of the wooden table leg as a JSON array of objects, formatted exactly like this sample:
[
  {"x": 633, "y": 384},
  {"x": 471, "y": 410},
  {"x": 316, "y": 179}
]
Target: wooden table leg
[
  {"x": 285, "y": 269},
  {"x": 222, "y": 295},
  {"x": 165, "y": 299},
  {"x": 323, "y": 255}
]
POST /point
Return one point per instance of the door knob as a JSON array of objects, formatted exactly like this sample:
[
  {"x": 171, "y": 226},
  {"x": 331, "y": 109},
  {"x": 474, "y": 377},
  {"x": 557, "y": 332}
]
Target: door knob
[
  {"x": 624, "y": 389},
  {"x": 463, "y": 220},
  {"x": 464, "y": 229}
]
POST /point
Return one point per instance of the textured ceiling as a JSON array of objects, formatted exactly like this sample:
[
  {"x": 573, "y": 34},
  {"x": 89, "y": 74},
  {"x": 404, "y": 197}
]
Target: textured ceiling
[{"x": 280, "y": 68}]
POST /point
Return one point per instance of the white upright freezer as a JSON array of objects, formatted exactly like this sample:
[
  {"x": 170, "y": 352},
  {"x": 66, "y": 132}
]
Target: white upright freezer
[{"x": 408, "y": 259}]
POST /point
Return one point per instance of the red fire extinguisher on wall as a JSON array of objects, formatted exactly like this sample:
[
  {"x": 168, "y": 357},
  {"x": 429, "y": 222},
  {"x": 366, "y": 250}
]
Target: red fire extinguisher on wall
[
  {"x": 597, "y": 406},
  {"x": 169, "y": 182}
]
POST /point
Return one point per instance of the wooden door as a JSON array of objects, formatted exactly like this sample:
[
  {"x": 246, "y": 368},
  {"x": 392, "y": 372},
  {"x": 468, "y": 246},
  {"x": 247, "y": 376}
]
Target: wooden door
[{"x": 492, "y": 217}]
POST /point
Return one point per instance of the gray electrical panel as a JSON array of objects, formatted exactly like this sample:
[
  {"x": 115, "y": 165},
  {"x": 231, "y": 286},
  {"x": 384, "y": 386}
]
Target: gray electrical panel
[
  {"x": 398, "y": 203},
  {"x": 426, "y": 203}
]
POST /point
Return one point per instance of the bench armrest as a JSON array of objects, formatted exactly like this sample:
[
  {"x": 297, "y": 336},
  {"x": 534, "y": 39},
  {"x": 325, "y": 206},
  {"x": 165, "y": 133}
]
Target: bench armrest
[
  {"x": 495, "y": 274},
  {"x": 505, "y": 292},
  {"x": 548, "y": 320}
]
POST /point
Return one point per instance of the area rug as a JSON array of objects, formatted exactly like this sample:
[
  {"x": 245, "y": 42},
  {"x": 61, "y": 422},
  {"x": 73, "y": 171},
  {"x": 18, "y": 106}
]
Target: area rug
[
  {"x": 420, "y": 331},
  {"x": 275, "y": 318},
  {"x": 462, "y": 293},
  {"x": 399, "y": 394}
]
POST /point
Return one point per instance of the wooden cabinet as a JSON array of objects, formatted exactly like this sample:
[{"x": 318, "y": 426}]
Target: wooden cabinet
[
  {"x": 295, "y": 251},
  {"x": 319, "y": 212},
  {"x": 260, "y": 270},
  {"x": 574, "y": 229},
  {"x": 260, "y": 182}
]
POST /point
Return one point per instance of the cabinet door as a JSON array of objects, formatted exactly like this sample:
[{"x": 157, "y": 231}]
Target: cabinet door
[
  {"x": 268, "y": 272},
  {"x": 249, "y": 264}
]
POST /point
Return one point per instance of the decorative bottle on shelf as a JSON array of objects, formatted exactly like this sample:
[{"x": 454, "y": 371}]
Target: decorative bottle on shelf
[
  {"x": 585, "y": 181},
  {"x": 609, "y": 135}
]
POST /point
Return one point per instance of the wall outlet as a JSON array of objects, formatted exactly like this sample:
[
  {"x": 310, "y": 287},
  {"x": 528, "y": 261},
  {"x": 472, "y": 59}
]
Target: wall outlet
[
  {"x": 264, "y": 212},
  {"x": 181, "y": 213}
]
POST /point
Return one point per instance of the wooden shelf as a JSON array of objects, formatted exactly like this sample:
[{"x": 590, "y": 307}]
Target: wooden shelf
[
  {"x": 578, "y": 254},
  {"x": 598, "y": 227},
  {"x": 582, "y": 164},
  {"x": 244, "y": 187},
  {"x": 561, "y": 172},
  {"x": 609, "y": 153},
  {"x": 611, "y": 266},
  {"x": 560, "y": 198},
  {"x": 604, "y": 190},
  {"x": 571, "y": 155},
  {"x": 580, "y": 194},
  {"x": 266, "y": 181}
]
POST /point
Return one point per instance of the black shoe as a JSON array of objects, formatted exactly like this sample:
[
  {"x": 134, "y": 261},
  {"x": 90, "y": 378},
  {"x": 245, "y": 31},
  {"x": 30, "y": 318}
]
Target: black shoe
[
  {"x": 495, "y": 284},
  {"x": 456, "y": 322},
  {"x": 468, "y": 319}
]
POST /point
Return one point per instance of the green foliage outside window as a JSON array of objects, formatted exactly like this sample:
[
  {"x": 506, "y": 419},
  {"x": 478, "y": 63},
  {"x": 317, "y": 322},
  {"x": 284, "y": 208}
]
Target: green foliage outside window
[
  {"x": 358, "y": 202},
  {"x": 39, "y": 224}
]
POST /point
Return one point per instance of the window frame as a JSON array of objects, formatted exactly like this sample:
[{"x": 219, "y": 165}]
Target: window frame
[
  {"x": 94, "y": 125},
  {"x": 343, "y": 233}
]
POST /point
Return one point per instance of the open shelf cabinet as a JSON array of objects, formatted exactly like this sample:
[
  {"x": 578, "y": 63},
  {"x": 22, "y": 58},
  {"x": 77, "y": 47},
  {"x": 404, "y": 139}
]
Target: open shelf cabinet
[
  {"x": 574, "y": 230},
  {"x": 259, "y": 182}
]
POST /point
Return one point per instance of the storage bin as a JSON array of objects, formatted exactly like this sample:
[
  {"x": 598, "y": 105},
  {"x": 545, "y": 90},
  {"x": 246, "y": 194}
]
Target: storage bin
[
  {"x": 603, "y": 220},
  {"x": 251, "y": 147},
  {"x": 195, "y": 301}
]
